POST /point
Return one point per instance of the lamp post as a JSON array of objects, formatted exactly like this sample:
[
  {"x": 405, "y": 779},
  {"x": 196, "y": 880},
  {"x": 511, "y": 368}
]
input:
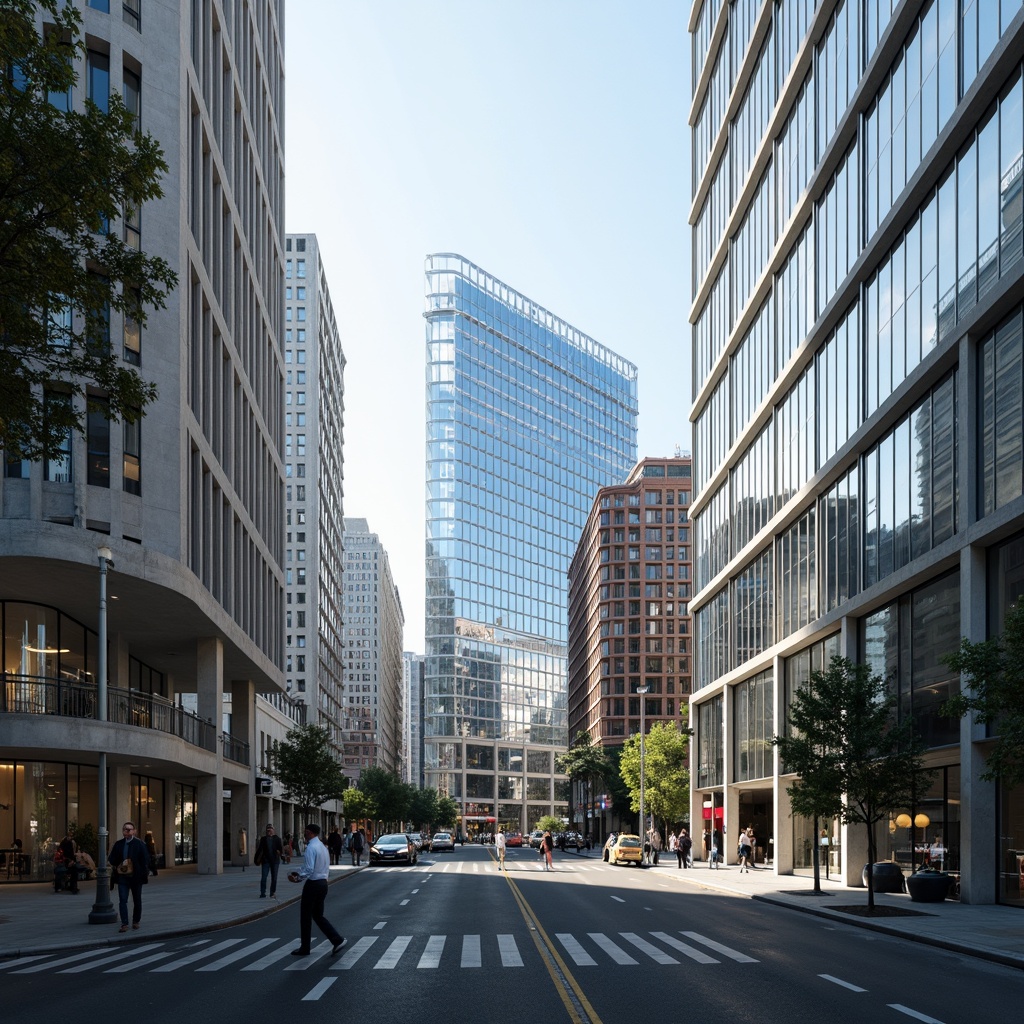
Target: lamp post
[
  {"x": 103, "y": 911},
  {"x": 642, "y": 690}
]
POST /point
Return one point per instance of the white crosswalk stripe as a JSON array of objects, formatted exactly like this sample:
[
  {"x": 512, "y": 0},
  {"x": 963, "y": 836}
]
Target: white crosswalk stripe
[{"x": 430, "y": 952}]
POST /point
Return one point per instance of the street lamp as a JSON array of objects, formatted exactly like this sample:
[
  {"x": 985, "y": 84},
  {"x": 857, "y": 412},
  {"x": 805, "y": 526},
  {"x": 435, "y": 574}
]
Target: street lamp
[
  {"x": 103, "y": 911},
  {"x": 641, "y": 690}
]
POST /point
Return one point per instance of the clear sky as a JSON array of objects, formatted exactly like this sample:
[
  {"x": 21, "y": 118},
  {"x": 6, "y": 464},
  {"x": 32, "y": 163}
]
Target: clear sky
[{"x": 544, "y": 140}]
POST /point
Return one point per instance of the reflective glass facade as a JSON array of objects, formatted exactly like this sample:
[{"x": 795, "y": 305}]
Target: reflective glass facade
[
  {"x": 527, "y": 418},
  {"x": 856, "y": 343}
]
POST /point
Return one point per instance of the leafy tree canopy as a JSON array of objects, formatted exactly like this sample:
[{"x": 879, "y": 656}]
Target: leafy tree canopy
[
  {"x": 666, "y": 772},
  {"x": 355, "y": 803},
  {"x": 447, "y": 812},
  {"x": 423, "y": 807},
  {"x": 67, "y": 179},
  {"x": 584, "y": 759},
  {"x": 994, "y": 672},
  {"x": 305, "y": 766},
  {"x": 386, "y": 794},
  {"x": 854, "y": 758},
  {"x": 550, "y": 823}
]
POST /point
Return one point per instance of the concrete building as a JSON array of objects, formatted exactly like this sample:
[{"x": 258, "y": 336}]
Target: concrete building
[
  {"x": 314, "y": 366},
  {"x": 412, "y": 718},
  {"x": 527, "y": 417},
  {"x": 857, "y": 354},
  {"x": 372, "y": 712},
  {"x": 188, "y": 507}
]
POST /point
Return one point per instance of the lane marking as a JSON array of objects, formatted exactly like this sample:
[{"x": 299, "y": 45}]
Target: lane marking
[
  {"x": 618, "y": 899},
  {"x": 318, "y": 990},
  {"x": 36, "y": 968},
  {"x": 393, "y": 954},
  {"x": 681, "y": 947},
  {"x": 231, "y": 958},
  {"x": 740, "y": 958},
  {"x": 110, "y": 959},
  {"x": 21, "y": 960},
  {"x": 201, "y": 955},
  {"x": 509, "y": 951},
  {"x": 471, "y": 951},
  {"x": 913, "y": 1013},
  {"x": 431, "y": 957},
  {"x": 317, "y": 953},
  {"x": 841, "y": 983},
  {"x": 579, "y": 955},
  {"x": 403, "y": 903},
  {"x": 620, "y": 956},
  {"x": 380, "y": 924},
  {"x": 135, "y": 964},
  {"x": 349, "y": 958}
]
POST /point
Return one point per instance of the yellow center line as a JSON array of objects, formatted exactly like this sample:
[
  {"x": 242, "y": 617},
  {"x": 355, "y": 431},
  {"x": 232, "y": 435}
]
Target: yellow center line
[{"x": 576, "y": 1003}]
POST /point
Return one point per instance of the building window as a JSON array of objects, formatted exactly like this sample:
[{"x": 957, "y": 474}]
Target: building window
[
  {"x": 131, "y": 13},
  {"x": 132, "y": 471},
  {"x": 133, "y": 330},
  {"x": 131, "y": 91},
  {"x": 57, "y": 411},
  {"x": 98, "y": 438},
  {"x": 98, "y": 79},
  {"x": 99, "y": 5},
  {"x": 133, "y": 227}
]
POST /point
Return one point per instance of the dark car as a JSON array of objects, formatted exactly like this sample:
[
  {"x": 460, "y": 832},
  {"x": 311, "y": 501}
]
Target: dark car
[{"x": 394, "y": 849}]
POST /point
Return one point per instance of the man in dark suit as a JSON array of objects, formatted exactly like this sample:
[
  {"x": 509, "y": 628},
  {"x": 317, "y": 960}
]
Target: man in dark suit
[{"x": 130, "y": 861}]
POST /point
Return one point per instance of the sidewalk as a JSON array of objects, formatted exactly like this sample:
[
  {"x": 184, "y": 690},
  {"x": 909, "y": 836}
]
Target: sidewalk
[
  {"x": 33, "y": 919},
  {"x": 992, "y": 932}
]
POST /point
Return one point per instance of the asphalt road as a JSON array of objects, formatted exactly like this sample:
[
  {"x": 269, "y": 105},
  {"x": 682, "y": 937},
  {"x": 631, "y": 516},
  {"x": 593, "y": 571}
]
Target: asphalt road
[{"x": 454, "y": 939}]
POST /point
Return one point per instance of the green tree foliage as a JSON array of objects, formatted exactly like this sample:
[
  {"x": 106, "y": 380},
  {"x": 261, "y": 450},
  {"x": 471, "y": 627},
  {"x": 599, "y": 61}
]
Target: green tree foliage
[
  {"x": 305, "y": 766},
  {"x": 854, "y": 758},
  {"x": 355, "y": 804},
  {"x": 584, "y": 762},
  {"x": 423, "y": 807},
  {"x": 66, "y": 177},
  {"x": 994, "y": 673},
  {"x": 550, "y": 823},
  {"x": 447, "y": 812},
  {"x": 387, "y": 795},
  {"x": 666, "y": 775}
]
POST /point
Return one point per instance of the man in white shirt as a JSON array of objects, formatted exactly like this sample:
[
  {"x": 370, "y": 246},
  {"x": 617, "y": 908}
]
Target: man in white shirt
[
  {"x": 499, "y": 845},
  {"x": 316, "y": 864}
]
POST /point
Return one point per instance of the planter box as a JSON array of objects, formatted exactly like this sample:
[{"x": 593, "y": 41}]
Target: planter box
[
  {"x": 886, "y": 876},
  {"x": 929, "y": 886}
]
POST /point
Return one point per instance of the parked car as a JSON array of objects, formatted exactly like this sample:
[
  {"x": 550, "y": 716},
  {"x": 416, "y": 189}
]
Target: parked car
[
  {"x": 535, "y": 837},
  {"x": 514, "y": 839},
  {"x": 627, "y": 849},
  {"x": 608, "y": 844},
  {"x": 442, "y": 841},
  {"x": 393, "y": 849}
]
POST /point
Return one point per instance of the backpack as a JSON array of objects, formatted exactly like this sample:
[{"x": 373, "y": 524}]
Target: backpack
[{"x": 58, "y": 856}]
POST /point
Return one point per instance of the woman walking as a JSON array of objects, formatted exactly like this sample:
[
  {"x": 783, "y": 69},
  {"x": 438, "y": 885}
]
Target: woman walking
[{"x": 547, "y": 848}]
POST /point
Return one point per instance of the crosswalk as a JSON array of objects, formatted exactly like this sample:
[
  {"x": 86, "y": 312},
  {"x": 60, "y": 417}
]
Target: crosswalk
[{"x": 382, "y": 953}]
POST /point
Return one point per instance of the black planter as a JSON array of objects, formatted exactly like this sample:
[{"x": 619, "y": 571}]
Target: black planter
[
  {"x": 928, "y": 886},
  {"x": 886, "y": 876}
]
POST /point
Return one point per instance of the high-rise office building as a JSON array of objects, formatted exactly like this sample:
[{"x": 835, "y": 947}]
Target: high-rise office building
[
  {"x": 374, "y": 667},
  {"x": 857, "y": 383},
  {"x": 527, "y": 418},
  {"x": 314, "y": 398},
  {"x": 185, "y": 510},
  {"x": 412, "y": 719}
]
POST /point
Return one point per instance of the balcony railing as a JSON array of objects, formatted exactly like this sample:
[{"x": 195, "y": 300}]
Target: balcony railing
[
  {"x": 39, "y": 695},
  {"x": 234, "y": 749}
]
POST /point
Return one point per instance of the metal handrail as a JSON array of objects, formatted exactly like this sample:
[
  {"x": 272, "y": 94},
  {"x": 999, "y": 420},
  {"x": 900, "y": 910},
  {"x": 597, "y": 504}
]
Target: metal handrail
[{"x": 42, "y": 695}]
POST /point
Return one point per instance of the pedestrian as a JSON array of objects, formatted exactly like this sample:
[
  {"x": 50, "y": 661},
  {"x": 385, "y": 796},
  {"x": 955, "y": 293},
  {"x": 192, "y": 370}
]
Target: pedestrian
[
  {"x": 334, "y": 845},
  {"x": 288, "y": 848},
  {"x": 69, "y": 851},
  {"x": 151, "y": 852},
  {"x": 753, "y": 848},
  {"x": 654, "y": 837},
  {"x": 716, "y": 849},
  {"x": 743, "y": 851},
  {"x": 358, "y": 845},
  {"x": 130, "y": 862},
  {"x": 685, "y": 845},
  {"x": 547, "y": 851},
  {"x": 268, "y": 856},
  {"x": 499, "y": 845},
  {"x": 86, "y": 865},
  {"x": 673, "y": 847},
  {"x": 316, "y": 864},
  {"x": 706, "y": 839}
]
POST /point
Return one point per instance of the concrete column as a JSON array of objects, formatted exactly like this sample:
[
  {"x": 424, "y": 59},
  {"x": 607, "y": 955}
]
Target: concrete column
[
  {"x": 977, "y": 798},
  {"x": 209, "y": 796},
  {"x": 781, "y": 849},
  {"x": 243, "y": 797},
  {"x": 119, "y": 801}
]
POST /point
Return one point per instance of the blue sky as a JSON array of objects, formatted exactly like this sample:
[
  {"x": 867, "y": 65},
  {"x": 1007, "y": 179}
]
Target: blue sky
[{"x": 546, "y": 141}]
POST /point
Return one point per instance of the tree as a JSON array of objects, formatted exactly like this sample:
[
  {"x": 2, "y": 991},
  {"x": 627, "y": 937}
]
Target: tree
[
  {"x": 994, "y": 672},
  {"x": 423, "y": 807},
  {"x": 550, "y": 823},
  {"x": 851, "y": 743},
  {"x": 65, "y": 177},
  {"x": 666, "y": 775},
  {"x": 306, "y": 767},
  {"x": 583, "y": 762},
  {"x": 355, "y": 804},
  {"x": 447, "y": 812},
  {"x": 386, "y": 794}
]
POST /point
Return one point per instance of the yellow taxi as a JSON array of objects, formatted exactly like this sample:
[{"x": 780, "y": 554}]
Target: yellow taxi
[{"x": 626, "y": 849}]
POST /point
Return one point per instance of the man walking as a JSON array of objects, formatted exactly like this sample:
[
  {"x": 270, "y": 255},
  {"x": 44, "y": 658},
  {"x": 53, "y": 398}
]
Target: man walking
[
  {"x": 316, "y": 864},
  {"x": 499, "y": 845},
  {"x": 683, "y": 846},
  {"x": 269, "y": 851},
  {"x": 130, "y": 861},
  {"x": 334, "y": 845}
]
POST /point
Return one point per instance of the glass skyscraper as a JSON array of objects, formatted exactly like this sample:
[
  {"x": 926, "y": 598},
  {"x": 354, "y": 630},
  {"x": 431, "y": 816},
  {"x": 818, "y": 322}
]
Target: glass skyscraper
[{"x": 527, "y": 418}]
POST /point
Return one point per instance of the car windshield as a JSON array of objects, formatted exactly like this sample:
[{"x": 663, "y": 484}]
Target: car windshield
[
  {"x": 393, "y": 840},
  {"x": 442, "y": 835}
]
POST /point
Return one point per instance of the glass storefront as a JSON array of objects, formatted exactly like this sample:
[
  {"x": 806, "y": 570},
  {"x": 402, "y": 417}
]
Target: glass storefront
[{"x": 185, "y": 824}]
